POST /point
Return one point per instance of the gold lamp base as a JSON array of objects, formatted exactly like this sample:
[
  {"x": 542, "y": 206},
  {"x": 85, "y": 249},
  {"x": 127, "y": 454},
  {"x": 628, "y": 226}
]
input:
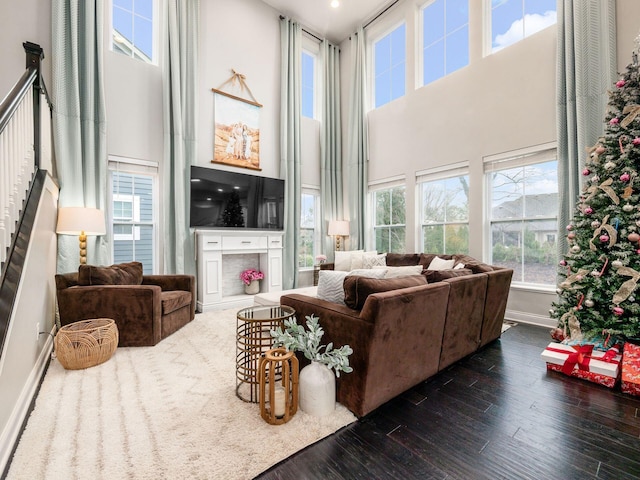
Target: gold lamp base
[{"x": 82, "y": 238}]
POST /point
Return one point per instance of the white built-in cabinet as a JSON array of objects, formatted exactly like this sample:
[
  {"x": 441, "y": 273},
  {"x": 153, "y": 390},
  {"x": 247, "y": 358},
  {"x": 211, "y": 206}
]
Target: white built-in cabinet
[{"x": 221, "y": 255}]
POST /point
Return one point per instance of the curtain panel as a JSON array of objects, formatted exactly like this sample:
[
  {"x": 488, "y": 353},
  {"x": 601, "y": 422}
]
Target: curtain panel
[
  {"x": 79, "y": 119},
  {"x": 290, "y": 139},
  {"x": 586, "y": 68}
]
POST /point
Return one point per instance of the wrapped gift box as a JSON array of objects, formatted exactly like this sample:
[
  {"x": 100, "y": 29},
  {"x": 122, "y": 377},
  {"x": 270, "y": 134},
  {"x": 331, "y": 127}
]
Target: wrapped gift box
[
  {"x": 582, "y": 361},
  {"x": 631, "y": 369}
]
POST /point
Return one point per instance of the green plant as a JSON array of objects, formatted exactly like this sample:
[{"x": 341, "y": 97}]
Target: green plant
[{"x": 296, "y": 337}]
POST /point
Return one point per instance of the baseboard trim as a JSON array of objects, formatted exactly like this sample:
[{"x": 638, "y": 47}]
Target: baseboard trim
[
  {"x": 17, "y": 421},
  {"x": 532, "y": 318}
]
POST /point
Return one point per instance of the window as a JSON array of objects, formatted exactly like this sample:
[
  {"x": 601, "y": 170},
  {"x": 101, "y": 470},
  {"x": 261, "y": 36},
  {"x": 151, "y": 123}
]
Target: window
[
  {"x": 524, "y": 216},
  {"x": 444, "y": 210},
  {"x": 445, "y": 38},
  {"x": 389, "y": 66},
  {"x": 133, "y": 29},
  {"x": 308, "y": 85},
  {"x": 513, "y": 20},
  {"x": 389, "y": 221},
  {"x": 309, "y": 231},
  {"x": 133, "y": 224}
]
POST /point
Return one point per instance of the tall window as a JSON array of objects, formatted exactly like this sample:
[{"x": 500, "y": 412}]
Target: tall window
[
  {"x": 309, "y": 231},
  {"x": 132, "y": 28},
  {"x": 389, "y": 221},
  {"x": 133, "y": 223},
  {"x": 445, "y": 38},
  {"x": 524, "y": 217},
  {"x": 444, "y": 210},
  {"x": 308, "y": 85},
  {"x": 389, "y": 66},
  {"x": 513, "y": 20}
]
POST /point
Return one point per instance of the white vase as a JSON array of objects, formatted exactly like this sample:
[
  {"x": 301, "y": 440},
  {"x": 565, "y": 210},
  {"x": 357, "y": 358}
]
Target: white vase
[
  {"x": 252, "y": 288},
  {"x": 317, "y": 389}
]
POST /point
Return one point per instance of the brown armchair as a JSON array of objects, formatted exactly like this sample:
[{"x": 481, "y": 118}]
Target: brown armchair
[{"x": 146, "y": 308}]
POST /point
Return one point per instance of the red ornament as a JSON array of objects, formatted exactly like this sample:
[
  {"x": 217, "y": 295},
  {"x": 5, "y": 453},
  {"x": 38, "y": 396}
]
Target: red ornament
[
  {"x": 620, "y": 83},
  {"x": 586, "y": 172},
  {"x": 618, "y": 311},
  {"x": 625, "y": 177},
  {"x": 588, "y": 210},
  {"x": 600, "y": 149},
  {"x": 604, "y": 238},
  {"x": 633, "y": 237},
  {"x": 636, "y": 141},
  {"x": 614, "y": 121},
  {"x": 563, "y": 263}
]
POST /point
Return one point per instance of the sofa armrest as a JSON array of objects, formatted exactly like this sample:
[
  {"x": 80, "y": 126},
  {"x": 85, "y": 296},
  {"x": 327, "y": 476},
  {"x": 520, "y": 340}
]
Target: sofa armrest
[
  {"x": 174, "y": 282},
  {"x": 136, "y": 309}
]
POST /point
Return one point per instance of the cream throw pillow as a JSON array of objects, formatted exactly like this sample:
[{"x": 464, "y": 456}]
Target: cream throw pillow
[
  {"x": 330, "y": 286},
  {"x": 377, "y": 272},
  {"x": 440, "y": 264},
  {"x": 395, "y": 272},
  {"x": 374, "y": 260},
  {"x": 343, "y": 260}
]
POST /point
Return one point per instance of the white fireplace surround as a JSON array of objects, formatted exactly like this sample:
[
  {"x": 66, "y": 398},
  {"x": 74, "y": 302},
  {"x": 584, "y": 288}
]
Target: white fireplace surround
[{"x": 221, "y": 255}]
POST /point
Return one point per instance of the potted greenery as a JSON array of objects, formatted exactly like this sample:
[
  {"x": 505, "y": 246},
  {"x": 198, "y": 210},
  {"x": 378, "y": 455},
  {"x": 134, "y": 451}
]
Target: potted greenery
[{"x": 317, "y": 388}]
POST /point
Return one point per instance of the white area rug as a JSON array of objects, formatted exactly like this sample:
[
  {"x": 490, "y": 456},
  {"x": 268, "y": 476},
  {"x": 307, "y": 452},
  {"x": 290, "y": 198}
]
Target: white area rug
[{"x": 163, "y": 412}]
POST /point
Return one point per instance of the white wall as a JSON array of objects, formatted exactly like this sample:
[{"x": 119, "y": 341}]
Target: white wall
[{"x": 498, "y": 103}]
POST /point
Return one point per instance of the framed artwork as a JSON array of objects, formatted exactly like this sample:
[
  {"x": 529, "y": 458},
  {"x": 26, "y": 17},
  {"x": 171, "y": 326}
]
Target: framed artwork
[{"x": 237, "y": 131}]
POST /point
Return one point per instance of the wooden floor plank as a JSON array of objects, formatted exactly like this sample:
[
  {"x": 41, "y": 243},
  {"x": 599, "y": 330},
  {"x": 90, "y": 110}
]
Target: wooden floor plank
[{"x": 497, "y": 414}]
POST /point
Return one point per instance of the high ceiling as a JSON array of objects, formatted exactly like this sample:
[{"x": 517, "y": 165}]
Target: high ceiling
[{"x": 335, "y": 24}]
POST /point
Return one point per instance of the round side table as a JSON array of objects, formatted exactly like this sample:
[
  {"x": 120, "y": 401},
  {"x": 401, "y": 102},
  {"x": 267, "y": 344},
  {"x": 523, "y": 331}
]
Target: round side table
[{"x": 253, "y": 339}]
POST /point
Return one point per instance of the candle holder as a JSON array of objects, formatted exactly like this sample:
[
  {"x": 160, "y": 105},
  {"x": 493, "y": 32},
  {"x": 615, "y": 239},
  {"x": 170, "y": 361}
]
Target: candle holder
[{"x": 278, "y": 386}]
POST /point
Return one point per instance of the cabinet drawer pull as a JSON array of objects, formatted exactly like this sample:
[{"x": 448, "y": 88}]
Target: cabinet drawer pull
[
  {"x": 214, "y": 243},
  {"x": 246, "y": 241}
]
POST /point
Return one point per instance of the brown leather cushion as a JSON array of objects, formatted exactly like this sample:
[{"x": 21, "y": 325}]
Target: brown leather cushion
[
  {"x": 120, "y": 274},
  {"x": 173, "y": 300},
  {"x": 440, "y": 275},
  {"x": 475, "y": 265},
  {"x": 357, "y": 289},
  {"x": 402, "y": 259}
]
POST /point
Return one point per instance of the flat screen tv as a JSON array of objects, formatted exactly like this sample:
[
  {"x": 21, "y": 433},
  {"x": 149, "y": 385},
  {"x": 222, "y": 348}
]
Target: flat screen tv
[{"x": 223, "y": 199}]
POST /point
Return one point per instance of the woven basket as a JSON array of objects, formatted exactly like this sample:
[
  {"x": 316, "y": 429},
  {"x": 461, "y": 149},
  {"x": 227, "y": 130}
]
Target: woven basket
[{"x": 86, "y": 343}]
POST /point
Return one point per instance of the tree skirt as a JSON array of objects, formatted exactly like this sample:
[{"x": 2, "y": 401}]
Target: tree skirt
[{"x": 168, "y": 411}]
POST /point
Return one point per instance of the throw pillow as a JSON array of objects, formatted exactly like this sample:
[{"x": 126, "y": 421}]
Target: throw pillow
[
  {"x": 377, "y": 260},
  {"x": 458, "y": 265},
  {"x": 439, "y": 264},
  {"x": 357, "y": 256},
  {"x": 330, "y": 286},
  {"x": 395, "y": 272},
  {"x": 357, "y": 289},
  {"x": 343, "y": 260},
  {"x": 120, "y": 274},
  {"x": 377, "y": 272}
]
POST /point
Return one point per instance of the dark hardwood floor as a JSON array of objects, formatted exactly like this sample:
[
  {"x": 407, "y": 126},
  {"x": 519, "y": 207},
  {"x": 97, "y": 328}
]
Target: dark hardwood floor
[{"x": 496, "y": 415}]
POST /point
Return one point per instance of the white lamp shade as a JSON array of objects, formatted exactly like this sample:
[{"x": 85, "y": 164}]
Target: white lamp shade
[
  {"x": 338, "y": 227},
  {"x": 75, "y": 220}
]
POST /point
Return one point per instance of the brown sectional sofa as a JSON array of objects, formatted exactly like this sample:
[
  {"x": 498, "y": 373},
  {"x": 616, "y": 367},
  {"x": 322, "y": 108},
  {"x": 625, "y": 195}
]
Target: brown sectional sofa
[{"x": 402, "y": 337}]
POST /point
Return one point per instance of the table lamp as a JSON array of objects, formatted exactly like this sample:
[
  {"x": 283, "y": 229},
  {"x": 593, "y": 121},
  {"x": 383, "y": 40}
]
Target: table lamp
[
  {"x": 81, "y": 221},
  {"x": 338, "y": 229}
]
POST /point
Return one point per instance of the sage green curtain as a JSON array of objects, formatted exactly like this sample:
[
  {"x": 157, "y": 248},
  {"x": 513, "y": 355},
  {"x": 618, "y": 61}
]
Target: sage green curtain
[
  {"x": 290, "y": 151},
  {"x": 180, "y": 87},
  {"x": 358, "y": 151},
  {"x": 586, "y": 68},
  {"x": 331, "y": 184},
  {"x": 79, "y": 119}
]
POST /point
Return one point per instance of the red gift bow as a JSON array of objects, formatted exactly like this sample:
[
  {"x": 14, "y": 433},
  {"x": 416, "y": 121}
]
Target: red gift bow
[
  {"x": 610, "y": 355},
  {"x": 582, "y": 357}
]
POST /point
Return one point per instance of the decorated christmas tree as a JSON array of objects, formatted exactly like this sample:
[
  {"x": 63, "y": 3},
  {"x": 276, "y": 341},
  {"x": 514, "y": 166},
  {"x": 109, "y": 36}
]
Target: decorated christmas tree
[
  {"x": 232, "y": 215},
  {"x": 600, "y": 273}
]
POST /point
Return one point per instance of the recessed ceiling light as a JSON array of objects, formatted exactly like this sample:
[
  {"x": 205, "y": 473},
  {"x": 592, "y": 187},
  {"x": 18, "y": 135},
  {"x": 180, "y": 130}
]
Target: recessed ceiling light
[{"x": 335, "y": 3}]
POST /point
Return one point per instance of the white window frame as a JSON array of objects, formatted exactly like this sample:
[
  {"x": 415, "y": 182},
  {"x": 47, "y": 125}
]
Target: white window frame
[
  {"x": 379, "y": 186},
  {"x": 134, "y": 200},
  {"x": 155, "y": 33},
  {"x": 513, "y": 159},
  {"x": 311, "y": 46},
  {"x": 420, "y": 46},
  {"x": 375, "y": 37},
  {"x": 432, "y": 175},
  {"x": 488, "y": 29},
  {"x": 135, "y": 167},
  {"x": 317, "y": 237}
]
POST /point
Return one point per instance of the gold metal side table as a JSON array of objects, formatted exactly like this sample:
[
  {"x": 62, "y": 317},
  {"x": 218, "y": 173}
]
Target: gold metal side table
[{"x": 253, "y": 339}]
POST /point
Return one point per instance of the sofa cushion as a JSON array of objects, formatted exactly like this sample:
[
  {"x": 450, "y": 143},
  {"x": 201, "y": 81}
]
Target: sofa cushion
[
  {"x": 441, "y": 264},
  {"x": 402, "y": 259},
  {"x": 330, "y": 286},
  {"x": 173, "y": 300},
  {"x": 433, "y": 276},
  {"x": 357, "y": 289},
  {"x": 343, "y": 260},
  {"x": 394, "y": 272},
  {"x": 475, "y": 265},
  {"x": 120, "y": 274},
  {"x": 377, "y": 272},
  {"x": 427, "y": 258},
  {"x": 357, "y": 258}
]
